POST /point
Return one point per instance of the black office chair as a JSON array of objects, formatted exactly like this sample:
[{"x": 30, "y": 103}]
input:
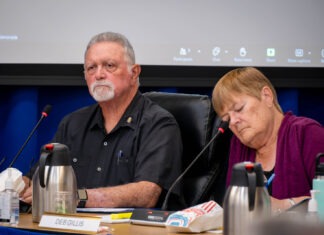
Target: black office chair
[{"x": 198, "y": 123}]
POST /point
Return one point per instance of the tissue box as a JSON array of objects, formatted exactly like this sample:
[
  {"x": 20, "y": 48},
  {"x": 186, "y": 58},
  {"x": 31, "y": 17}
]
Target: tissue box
[{"x": 199, "y": 218}]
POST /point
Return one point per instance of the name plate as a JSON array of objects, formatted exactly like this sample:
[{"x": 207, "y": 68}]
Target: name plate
[{"x": 71, "y": 222}]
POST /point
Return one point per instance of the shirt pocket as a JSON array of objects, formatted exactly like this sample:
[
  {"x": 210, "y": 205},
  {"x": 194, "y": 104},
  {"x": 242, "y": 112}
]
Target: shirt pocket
[{"x": 125, "y": 164}]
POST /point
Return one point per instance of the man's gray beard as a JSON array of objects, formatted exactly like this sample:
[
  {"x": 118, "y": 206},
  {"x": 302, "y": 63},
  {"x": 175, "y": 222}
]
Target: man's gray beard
[{"x": 98, "y": 95}]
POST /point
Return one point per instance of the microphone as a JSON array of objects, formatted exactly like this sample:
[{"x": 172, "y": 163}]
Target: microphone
[
  {"x": 46, "y": 111},
  {"x": 221, "y": 129}
]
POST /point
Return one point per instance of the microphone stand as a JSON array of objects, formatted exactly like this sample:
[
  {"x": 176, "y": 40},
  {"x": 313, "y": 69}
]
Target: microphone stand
[
  {"x": 221, "y": 129},
  {"x": 45, "y": 113},
  {"x": 2, "y": 160}
]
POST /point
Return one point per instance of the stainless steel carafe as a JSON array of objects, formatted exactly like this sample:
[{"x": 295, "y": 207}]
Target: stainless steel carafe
[
  {"x": 54, "y": 182},
  {"x": 246, "y": 199}
]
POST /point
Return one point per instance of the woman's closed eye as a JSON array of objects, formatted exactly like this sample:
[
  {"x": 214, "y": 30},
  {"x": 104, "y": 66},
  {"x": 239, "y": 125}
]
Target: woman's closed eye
[{"x": 239, "y": 109}]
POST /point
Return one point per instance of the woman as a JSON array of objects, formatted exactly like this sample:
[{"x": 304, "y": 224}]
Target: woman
[{"x": 284, "y": 144}]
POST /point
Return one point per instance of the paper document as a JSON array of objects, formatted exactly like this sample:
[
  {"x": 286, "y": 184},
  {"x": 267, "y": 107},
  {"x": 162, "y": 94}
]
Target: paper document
[
  {"x": 123, "y": 217},
  {"x": 104, "y": 210}
]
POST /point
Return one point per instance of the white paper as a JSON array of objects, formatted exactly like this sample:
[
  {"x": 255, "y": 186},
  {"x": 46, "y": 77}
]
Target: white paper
[
  {"x": 104, "y": 210},
  {"x": 16, "y": 177}
]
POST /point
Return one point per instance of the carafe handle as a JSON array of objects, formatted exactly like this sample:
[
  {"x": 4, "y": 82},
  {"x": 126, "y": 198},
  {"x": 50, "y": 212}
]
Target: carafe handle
[
  {"x": 319, "y": 171},
  {"x": 252, "y": 185},
  {"x": 42, "y": 162},
  {"x": 318, "y": 158}
]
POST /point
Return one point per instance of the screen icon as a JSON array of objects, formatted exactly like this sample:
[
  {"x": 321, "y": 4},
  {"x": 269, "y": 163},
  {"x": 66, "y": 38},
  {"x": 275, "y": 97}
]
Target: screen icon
[
  {"x": 216, "y": 51},
  {"x": 243, "y": 52},
  {"x": 183, "y": 51},
  {"x": 271, "y": 52},
  {"x": 299, "y": 52}
]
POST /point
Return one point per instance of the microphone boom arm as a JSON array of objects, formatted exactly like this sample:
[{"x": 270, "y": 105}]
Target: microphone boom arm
[
  {"x": 45, "y": 113},
  {"x": 221, "y": 129}
]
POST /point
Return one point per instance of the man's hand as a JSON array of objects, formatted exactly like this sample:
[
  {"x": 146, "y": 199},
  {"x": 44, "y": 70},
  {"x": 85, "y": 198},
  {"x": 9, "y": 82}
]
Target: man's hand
[{"x": 26, "y": 194}]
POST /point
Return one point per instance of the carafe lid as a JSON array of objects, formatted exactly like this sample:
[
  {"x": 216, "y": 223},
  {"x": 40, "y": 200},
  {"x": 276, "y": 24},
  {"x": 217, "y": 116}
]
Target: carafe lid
[
  {"x": 239, "y": 174},
  {"x": 59, "y": 154},
  {"x": 240, "y": 170}
]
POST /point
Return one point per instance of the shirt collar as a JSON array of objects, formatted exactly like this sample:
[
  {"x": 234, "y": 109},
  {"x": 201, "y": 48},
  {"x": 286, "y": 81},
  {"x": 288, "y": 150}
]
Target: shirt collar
[
  {"x": 129, "y": 118},
  {"x": 132, "y": 112}
]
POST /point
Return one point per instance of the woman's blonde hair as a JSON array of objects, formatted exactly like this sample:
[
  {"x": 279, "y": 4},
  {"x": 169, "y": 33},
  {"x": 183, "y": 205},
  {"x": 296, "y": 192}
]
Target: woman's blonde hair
[{"x": 248, "y": 80}]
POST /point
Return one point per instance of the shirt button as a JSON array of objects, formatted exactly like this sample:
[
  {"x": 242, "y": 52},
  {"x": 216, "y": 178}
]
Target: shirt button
[
  {"x": 105, "y": 143},
  {"x": 98, "y": 168},
  {"x": 74, "y": 159}
]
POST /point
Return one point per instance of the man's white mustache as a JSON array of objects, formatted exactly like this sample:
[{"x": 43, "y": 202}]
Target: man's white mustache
[{"x": 99, "y": 84}]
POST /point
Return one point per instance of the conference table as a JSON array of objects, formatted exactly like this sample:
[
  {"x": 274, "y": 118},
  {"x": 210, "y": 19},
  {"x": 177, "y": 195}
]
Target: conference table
[{"x": 26, "y": 226}]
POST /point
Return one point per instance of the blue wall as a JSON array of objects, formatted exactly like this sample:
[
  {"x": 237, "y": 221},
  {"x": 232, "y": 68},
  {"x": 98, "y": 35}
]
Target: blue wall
[{"x": 21, "y": 107}]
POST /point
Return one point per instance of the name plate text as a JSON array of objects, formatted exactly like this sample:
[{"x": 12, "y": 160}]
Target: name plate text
[{"x": 71, "y": 222}]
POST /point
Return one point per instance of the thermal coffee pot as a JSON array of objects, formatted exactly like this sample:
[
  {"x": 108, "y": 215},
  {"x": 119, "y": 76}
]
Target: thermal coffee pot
[
  {"x": 318, "y": 185},
  {"x": 246, "y": 200},
  {"x": 54, "y": 182}
]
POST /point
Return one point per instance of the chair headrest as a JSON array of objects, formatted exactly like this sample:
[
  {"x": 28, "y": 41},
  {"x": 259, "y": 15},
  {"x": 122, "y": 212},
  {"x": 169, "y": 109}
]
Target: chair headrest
[{"x": 194, "y": 114}]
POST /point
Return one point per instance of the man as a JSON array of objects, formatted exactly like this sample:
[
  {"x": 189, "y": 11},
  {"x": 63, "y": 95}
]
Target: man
[{"x": 126, "y": 151}]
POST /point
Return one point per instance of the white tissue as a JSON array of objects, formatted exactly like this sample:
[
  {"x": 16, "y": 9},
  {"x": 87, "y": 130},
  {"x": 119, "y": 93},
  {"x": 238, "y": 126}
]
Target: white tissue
[{"x": 17, "y": 180}]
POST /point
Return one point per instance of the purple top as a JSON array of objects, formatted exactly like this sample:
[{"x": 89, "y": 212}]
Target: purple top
[{"x": 300, "y": 139}]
